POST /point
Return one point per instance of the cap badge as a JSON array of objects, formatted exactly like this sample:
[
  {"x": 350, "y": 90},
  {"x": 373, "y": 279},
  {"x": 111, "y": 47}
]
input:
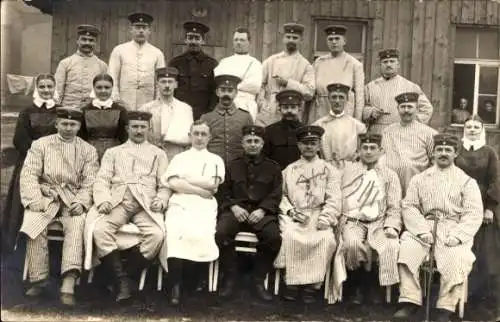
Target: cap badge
[{"x": 141, "y": 20}]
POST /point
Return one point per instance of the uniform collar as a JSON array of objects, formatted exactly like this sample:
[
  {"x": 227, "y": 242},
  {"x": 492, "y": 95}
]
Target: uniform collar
[
  {"x": 222, "y": 111},
  {"x": 195, "y": 55},
  {"x": 79, "y": 53},
  {"x": 102, "y": 104},
  {"x": 291, "y": 124},
  {"x": 336, "y": 116},
  {"x": 48, "y": 104},
  {"x": 254, "y": 160}
]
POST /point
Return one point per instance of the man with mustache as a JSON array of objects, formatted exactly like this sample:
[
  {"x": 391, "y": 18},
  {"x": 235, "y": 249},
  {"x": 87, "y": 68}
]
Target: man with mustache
[
  {"x": 380, "y": 109},
  {"x": 75, "y": 73},
  {"x": 340, "y": 141},
  {"x": 248, "y": 68},
  {"x": 446, "y": 194},
  {"x": 132, "y": 64},
  {"x": 280, "y": 138},
  {"x": 337, "y": 67},
  {"x": 226, "y": 120},
  {"x": 408, "y": 144},
  {"x": 196, "y": 71},
  {"x": 251, "y": 194},
  {"x": 285, "y": 70},
  {"x": 171, "y": 118}
]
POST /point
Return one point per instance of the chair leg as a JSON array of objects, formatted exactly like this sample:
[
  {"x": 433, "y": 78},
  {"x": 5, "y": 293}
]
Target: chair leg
[
  {"x": 90, "y": 277},
  {"x": 463, "y": 299},
  {"x": 327, "y": 280},
  {"x": 143, "y": 279},
  {"x": 388, "y": 291},
  {"x": 277, "y": 276},
  {"x": 211, "y": 277},
  {"x": 216, "y": 276},
  {"x": 160, "y": 278},
  {"x": 266, "y": 281},
  {"x": 25, "y": 270}
]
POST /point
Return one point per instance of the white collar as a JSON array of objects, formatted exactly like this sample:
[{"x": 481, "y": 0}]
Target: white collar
[
  {"x": 102, "y": 104},
  {"x": 477, "y": 144},
  {"x": 337, "y": 116},
  {"x": 38, "y": 101}
]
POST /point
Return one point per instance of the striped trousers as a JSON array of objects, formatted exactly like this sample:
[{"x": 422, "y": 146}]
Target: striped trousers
[{"x": 72, "y": 252}]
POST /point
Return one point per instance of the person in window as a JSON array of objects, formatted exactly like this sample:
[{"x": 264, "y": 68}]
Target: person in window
[
  {"x": 480, "y": 162},
  {"x": 461, "y": 113},
  {"x": 34, "y": 122},
  {"x": 488, "y": 113},
  {"x": 104, "y": 121}
]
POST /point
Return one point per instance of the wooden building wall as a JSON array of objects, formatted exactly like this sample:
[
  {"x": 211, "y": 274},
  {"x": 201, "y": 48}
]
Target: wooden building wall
[{"x": 423, "y": 30}]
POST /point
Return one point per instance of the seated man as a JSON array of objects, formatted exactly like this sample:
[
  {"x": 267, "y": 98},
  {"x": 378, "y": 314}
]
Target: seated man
[
  {"x": 311, "y": 204},
  {"x": 251, "y": 195},
  {"x": 194, "y": 176},
  {"x": 442, "y": 193},
  {"x": 128, "y": 189},
  {"x": 56, "y": 186},
  {"x": 371, "y": 217}
]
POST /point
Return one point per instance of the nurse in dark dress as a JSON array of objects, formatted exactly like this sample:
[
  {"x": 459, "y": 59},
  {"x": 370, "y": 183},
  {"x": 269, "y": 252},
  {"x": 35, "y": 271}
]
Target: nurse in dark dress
[
  {"x": 33, "y": 122},
  {"x": 480, "y": 162},
  {"x": 104, "y": 121}
]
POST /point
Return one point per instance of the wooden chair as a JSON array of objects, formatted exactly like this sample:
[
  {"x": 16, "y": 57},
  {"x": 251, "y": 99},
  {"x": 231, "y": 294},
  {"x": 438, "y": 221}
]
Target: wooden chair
[{"x": 159, "y": 280}]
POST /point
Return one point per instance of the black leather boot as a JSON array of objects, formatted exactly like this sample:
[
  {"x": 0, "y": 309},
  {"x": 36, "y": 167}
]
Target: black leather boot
[
  {"x": 291, "y": 292},
  {"x": 137, "y": 262},
  {"x": 406, "y": 312},
  {"x": 114, "y": 264},
  {"x": 497, "y": 296}
]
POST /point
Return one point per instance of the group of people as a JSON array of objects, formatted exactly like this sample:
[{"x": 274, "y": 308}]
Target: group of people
[{"x": 194, "y": 152}]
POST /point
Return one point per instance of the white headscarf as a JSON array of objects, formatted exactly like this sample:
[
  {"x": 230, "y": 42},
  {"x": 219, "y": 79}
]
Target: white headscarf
[
  {"x": 477, "y": 144},
  {"x": 38, "y": 101}
]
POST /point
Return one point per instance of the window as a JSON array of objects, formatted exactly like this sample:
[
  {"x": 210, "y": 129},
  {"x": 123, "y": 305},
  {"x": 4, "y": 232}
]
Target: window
[
  {"x": 356, "y": 37},
  {"x": 476, "y": 81}
]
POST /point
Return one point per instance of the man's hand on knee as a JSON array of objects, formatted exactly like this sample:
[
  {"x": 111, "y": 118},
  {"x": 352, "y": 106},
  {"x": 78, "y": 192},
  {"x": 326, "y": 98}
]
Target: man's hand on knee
[
  {"x": 391, "y": 233},
  {"x": 451, "y": 241},
  {"x": 157, "y": 205},
  {"x": 426, "y": 238},
  {"x": 240, "y": 213},
  {"x": 38, "y": 206},
  {"x": 105, "y": 207},
  {"x": 76, "y": 209}
]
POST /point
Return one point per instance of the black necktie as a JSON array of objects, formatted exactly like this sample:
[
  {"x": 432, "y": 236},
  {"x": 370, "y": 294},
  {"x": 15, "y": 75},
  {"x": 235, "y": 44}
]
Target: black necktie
[{"x": 471, "y": 148}]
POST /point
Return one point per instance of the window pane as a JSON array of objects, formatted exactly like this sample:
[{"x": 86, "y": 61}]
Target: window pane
[
  {"x": 354, "y": 35},
  {"x": 487, "y": 108},
  {"x": 465, "y": 43},
  {"x": 488, "y": 80},
  {"x": 463, "y": 92},
  {"x": 488, "y": 44}
]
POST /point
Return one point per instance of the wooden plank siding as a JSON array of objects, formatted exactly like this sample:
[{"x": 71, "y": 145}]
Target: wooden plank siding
[{"x": 423, "y": 31}]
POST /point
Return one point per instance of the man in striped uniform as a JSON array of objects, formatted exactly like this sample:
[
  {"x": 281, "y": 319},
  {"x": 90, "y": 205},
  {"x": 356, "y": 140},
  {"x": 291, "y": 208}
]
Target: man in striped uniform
[
  {"x": 371, "y": 197},
  {"x": 380, "y": 109},
  {"x": 56, "y": 186},
  {"x": 408, "y": 144},
  {"x": 442, "y": 193},
  {"x": 340, "y": 142},
  {"x": 128, "y": 188},
  {"x": 310, "y": 206}
]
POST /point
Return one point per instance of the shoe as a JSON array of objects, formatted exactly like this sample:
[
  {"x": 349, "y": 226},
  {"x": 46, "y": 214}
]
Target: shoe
[
  {"x": 228, "y": 288},
  {"x": 262, "y": 293},
  {"x": 291, "y": 292},
  {"x": 443, "y": 315},
  {"x": 67, "y": 299},
  {"x": 358, "y": 297},
  {"x": 405, "y": 313},
  {"x": 37, "y": 289},
  {"x": 308, "y": 295},
  {"x": 114, "y": 263},
  {"x": 175, "y": 295}
]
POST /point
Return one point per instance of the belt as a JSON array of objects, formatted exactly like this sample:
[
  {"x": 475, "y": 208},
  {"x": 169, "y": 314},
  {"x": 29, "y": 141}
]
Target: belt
[{"x": 356, "y": 220}]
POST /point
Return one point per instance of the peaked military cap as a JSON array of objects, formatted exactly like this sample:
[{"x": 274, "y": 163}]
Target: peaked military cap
[
  {"x": 194, "y": 26},
  {"x": 289, "y": 97},
  {"x": 446, "y": 139},
  {"x": 337, "y": 87},
  {"x": 335, "y": 30},
  {"x": 87, "y": 30},
  {"x": 388, "y": 53},
  {"x": 293, "y": 28},
  {"x": 253, "y": 130},
  {"x": 409, "y": 97},
  {"x": 167, "y": 72},
  {"x": 69, "y": 113},
  {"x": 140, "y": 18},
  {"x": 370, "y": 138},
  {"x": 227, "y": 80},
  {"x": 309, "y": 132},
  {"x": 138, "y": 116}
]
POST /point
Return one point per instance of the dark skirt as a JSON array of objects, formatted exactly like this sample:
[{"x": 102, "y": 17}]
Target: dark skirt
[{"x": 13, "y": 212}]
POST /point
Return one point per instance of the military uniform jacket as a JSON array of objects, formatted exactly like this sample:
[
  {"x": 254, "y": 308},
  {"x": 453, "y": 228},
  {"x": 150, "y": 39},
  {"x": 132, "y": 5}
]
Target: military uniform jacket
[
  {"x": 196, "y": 81},
  {"x": 48, "y": 164},
  {"x": 280, "y": 142},
  {"x": 253, "y": 183}
]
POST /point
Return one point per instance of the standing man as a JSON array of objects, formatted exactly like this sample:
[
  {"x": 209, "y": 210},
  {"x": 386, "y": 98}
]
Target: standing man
[
  {"x": 132, "y": 64},
  {"x": 338, "y": 67},
  {"x": 408, "y": 144},
  {"x": 226, "y": 120},
  {"x": 251, "y": 195},
  {"x": 56, "y": 186},
  {"x": 442, "y": 193},
  {"x": 285, "y": 70},
  {"x": 246, "y": 67},
  {"x": 280, "y": 138},
  {"x": 196, "y": 71},
  {"x": 128, "y": 188},
  {"x": 340, "y": 141},
  {"x": 171, "y": 118},
  {"x": 75, "y": 73},
  {"x": 380, "y": 109}
]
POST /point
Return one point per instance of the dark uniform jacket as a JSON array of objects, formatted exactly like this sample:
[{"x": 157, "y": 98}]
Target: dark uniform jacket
[
  {"x": 280, "y": 142},
  {"x": 253, "y": 183},
  {"x": 196, "y": 81}
]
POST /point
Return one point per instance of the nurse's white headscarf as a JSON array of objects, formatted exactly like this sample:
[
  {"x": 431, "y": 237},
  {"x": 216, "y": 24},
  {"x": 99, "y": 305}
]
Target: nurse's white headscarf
[
  {"x": 37, "y": 100},
  {"x": 479, "y": 143}
]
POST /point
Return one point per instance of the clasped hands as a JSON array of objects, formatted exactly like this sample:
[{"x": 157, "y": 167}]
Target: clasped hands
[
  {"x": 242, "y": 214},
  {"x": 322, "y": 224},
  {"x": 449, "y": 241},
  {"x": 157, "y": 205},
  {"x": 75, "y": 208},
  {"x": 281, "y": 81}
]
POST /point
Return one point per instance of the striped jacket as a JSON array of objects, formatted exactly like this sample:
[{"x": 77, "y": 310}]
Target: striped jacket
[{"x": 71, "y": 175}]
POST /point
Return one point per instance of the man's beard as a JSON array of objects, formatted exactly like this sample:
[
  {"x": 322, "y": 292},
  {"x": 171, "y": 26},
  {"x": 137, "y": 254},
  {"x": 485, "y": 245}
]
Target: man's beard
[{"x": 291, "y": 47}]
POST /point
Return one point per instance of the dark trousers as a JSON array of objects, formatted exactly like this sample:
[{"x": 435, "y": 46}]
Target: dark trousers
[{"x": 268, "y": 233}]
